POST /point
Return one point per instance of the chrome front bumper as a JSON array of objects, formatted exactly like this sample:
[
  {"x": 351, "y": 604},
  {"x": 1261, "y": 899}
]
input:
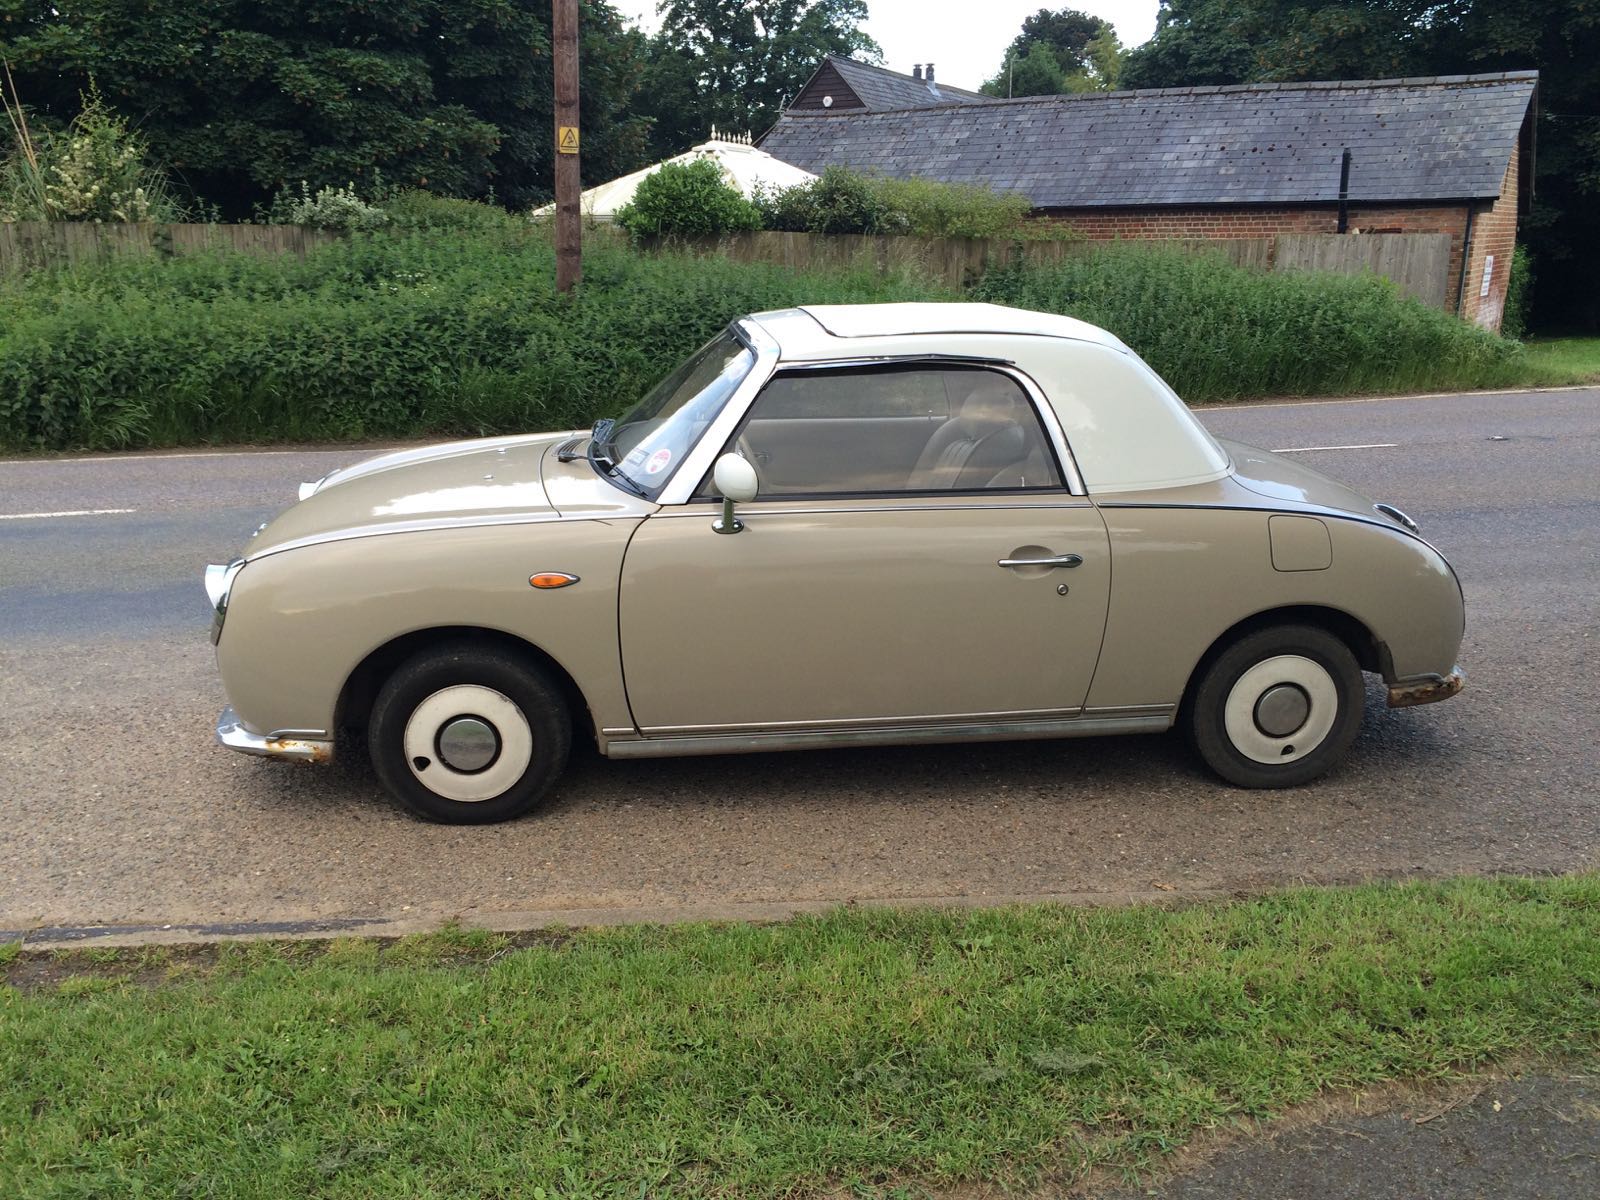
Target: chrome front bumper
[
  {"x": 1428, "y": 690},
  {"x": 232, "y": 734}
]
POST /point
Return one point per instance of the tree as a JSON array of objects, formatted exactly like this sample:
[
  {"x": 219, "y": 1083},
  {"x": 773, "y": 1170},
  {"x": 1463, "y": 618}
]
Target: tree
[
  {"x": 1240, "y": 41},
  {"x": 1066, "y": 31},
  {"x": 731, "y": 63},
  {"x": 1061, "y": 51},
  {"x": 244, "y": 97}
]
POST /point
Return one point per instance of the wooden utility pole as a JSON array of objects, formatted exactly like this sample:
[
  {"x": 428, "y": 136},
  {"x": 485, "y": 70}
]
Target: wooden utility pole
[{"x": 569, "y": 185}]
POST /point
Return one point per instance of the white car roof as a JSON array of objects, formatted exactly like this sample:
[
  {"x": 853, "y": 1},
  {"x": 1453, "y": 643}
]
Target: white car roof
[
  {"x": 819, "y": 336},
  {"x": 1128, "y": 430}
]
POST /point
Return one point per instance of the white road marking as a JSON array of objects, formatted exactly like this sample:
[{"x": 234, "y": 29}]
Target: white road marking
[
  {"x": 71, "y": 512},
  {"x": 1225, "y": 406},
  {"x": 1359, "y": 446}
]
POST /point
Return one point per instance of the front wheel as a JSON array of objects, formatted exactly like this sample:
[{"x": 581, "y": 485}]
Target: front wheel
[
  {"x": 1278, "y": 708},
  {"x": 466, "y": 736}
]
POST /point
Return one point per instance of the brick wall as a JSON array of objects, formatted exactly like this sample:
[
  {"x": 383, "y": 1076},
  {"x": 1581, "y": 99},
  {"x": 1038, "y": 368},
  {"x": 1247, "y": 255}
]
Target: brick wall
[
  {"x": 1493, "y": 233},
  {"x": 1494, "y": 237}
]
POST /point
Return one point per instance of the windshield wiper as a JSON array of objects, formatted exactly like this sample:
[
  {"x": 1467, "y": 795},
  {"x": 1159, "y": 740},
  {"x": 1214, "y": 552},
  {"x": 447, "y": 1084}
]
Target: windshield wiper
[
  {"x": 600, "y": 440},
  {"x": 602, "y": 457}
]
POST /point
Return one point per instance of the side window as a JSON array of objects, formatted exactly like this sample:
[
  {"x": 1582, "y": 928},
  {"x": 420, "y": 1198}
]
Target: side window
[{"x": 885, "y": 430}]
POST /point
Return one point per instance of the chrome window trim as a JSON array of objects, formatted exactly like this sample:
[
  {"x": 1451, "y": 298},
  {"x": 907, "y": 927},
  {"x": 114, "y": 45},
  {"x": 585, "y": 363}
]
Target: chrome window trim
[
  {"x": 704, "y": 506},
  {"x": 1053, "y": 430},
  {"x": 885, "y": 360},
  {"x": 695, "y": 464}
]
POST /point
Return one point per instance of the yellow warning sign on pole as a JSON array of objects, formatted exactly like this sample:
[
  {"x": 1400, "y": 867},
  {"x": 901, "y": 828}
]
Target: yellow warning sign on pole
[{"x": 567, "y": 139}]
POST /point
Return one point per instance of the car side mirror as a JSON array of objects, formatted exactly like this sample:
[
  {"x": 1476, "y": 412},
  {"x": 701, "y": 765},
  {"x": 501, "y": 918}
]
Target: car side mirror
[{"x": 735, "y": 479}]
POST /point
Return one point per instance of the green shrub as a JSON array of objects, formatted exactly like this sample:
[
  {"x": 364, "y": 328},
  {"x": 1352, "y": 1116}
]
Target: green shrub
[
  {"x": 845, "y": 201},
  {"x": 379, "y": 335},
  {"x": 394, "y": 334},
  {"x": 1519, "y": 295},
  {"x": 687, "y": 200},
  {"x": 1220, "y": 332},
  {"x": 415, "y": 209},
  {"x": 328, "y": 208}
]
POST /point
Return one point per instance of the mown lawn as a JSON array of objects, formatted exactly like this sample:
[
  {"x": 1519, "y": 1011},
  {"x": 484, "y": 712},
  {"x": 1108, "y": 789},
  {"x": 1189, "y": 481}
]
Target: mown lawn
[{"x": 864, "y": 1049}]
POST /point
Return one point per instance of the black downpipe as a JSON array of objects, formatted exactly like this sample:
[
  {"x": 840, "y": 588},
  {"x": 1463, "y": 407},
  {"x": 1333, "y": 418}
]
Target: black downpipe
[
  {"x": 1466, "y": 257},
  {"x": 1344, "y": 190}
]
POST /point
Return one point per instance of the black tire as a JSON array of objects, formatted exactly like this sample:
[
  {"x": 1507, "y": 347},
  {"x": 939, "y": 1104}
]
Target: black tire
[
  {"x": 468, "y": 677},
  {"x": 1298, "y": 665}
]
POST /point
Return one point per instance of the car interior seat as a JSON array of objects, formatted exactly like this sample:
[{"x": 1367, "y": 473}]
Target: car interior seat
[{"x": 981, "y": 445}]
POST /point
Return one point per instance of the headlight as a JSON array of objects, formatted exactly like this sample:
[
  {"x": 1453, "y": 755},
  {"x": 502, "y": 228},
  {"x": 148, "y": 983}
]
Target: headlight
[{"x": 219, "y": 582}]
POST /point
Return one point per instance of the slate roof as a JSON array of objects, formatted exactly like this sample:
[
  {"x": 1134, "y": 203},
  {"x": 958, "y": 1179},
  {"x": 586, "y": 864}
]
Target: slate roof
[
  {"x": 1428, "y": 139},
  {"x": 883, "y": 90}
]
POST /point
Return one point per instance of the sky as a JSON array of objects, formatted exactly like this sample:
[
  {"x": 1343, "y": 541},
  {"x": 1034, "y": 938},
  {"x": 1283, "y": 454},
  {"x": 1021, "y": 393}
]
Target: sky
[{"x": 966, "y": 40}]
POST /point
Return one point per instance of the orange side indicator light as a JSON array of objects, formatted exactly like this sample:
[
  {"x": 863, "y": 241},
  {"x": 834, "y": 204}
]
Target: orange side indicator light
[{"x": 546, "y": 580}]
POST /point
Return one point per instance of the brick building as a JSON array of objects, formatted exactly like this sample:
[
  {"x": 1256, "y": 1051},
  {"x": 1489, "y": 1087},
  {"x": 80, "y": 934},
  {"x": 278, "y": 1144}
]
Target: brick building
[{"x": 1452, "y": 155}]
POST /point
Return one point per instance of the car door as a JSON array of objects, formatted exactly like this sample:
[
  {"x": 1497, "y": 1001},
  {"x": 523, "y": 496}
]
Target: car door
[{"x": 940, "y": 572}]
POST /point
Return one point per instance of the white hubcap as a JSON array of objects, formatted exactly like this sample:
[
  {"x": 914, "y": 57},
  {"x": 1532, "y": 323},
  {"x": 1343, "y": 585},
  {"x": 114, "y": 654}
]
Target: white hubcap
[
  {"x": 468, "y": 743},
  {"x": 1281, "y": 709}
]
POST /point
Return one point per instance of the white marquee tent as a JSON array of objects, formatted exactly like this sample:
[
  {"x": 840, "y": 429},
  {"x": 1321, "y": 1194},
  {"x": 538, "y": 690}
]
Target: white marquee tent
[{"x": 743, "y": 166}]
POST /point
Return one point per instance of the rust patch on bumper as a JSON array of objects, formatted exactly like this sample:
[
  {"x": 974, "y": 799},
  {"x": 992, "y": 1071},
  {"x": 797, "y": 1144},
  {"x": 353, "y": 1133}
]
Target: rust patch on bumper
[
  {"x": 300, "y": 751},
  {"x": 1428, "y": 691},
  {"x": 232, "y": 734}
]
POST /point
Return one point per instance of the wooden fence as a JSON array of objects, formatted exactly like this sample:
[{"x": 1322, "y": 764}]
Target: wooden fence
[
  {"x": 1418, "y": 263},
  {"x": 28, "y": 245}
]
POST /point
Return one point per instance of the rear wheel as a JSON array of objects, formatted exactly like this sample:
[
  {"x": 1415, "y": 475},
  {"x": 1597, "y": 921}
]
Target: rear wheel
[
  {"x": 465, "y": 736},
  {"x": 1278, "y": 708}
]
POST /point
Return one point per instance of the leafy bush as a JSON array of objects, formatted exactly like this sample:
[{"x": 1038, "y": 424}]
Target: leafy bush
[
  {"x": 929, "y": 209},
  {"x": 415, "y": 209},
  {"x": 379, "y": 335},
  {"x": 392, "y": 334},
  {"x": 687, "y": 200},
  {"x": 1215, "y": 331},
  {"x": 1519, "y": 294},
  {"x": 845, "y": 201},
  {"x": 329, "y": 208},
  {"x": 93, "y": 171}
]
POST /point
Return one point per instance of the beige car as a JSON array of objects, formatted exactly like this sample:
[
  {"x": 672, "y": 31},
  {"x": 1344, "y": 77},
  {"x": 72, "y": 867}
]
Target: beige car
[{"x": 833, "y": 525}]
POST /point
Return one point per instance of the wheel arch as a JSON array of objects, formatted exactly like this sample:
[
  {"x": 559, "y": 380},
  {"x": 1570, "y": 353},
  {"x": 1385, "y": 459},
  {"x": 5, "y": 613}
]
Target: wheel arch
[
  {"x": 1370, "y": 653},
  {"x": 361, "y": 687}
]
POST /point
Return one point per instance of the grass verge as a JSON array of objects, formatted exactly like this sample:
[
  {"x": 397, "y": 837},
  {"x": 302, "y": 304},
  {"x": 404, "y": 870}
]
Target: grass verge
[
  {"x": 1562, "y": 362},
  {"x": 863, "y": 1050}
]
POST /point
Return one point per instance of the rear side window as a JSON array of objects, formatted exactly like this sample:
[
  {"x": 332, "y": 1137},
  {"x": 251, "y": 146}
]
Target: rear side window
[{"x": 895, "y": 430}]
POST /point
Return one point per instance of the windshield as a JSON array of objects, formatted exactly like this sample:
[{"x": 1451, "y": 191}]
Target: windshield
[{"x": 651, "y": 440}]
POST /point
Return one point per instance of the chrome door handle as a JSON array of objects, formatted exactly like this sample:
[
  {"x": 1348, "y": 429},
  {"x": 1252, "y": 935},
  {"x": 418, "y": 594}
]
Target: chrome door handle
[{"x": 1054, "y": 560}]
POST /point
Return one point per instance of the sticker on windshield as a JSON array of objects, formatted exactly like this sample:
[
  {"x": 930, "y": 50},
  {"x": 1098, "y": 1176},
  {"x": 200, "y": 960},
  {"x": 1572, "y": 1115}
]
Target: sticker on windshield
[
  {"x": 634, "y": 459},
  {"x": 658, "y": 461}
]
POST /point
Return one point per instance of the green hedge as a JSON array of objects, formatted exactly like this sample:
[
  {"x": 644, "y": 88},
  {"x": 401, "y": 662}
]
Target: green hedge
[
  {"x": 432, "y": 333},
  {"x": 382, "y": 335},
  {"x": 1215, "y": 331}
]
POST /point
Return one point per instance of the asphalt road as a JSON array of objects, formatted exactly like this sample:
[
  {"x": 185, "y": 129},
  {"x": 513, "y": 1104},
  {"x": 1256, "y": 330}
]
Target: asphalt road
[{"x": 117, "y": 809}]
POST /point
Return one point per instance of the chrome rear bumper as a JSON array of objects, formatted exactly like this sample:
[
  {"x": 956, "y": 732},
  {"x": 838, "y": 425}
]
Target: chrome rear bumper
[
  {"x": 232, "y": 734},
  {"x": 1428, "y": 690}
]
